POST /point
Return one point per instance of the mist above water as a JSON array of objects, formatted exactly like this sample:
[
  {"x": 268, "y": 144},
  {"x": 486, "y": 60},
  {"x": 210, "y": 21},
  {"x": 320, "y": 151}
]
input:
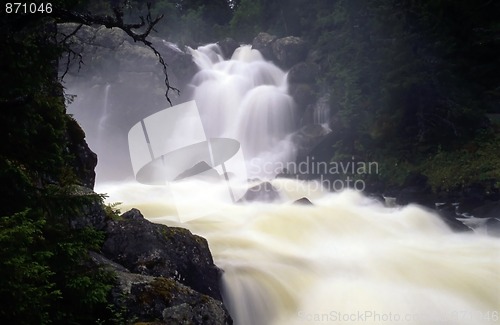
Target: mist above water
[
  {"x": 243, "y": 98},
  {"x": 346, "y": 259}
]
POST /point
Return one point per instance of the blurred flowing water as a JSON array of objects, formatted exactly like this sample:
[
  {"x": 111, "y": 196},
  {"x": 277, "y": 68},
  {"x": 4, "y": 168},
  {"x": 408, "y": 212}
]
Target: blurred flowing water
[
  {"x": 346, "y": 259},
  {"x": 245, "y": 98}
]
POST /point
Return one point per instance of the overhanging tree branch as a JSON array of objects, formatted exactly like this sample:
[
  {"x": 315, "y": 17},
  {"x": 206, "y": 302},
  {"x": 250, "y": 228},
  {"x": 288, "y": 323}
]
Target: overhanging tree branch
[{"x": 139, "y": 32}]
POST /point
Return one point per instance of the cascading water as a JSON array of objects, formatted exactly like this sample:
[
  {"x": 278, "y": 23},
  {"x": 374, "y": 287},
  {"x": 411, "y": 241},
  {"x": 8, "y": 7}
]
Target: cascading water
[
  {"x": 346, "y": 259},
  {"x": 245, "y": 98},
  {"x": 321, "y": 113}
]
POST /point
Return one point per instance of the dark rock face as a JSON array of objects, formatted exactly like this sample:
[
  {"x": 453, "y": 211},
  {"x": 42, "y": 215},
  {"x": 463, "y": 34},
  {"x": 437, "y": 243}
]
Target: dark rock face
[
  {"x": 93, "y": 214},
  {"x": 227, "y": 46},
  {"x": 301, "y": 86},
  {"x": 157, "y": 250},
  {"x": 264, "y": 44},
  {"x": 174, "y": 303},
  {"x": 289, "y": 51},
  {"x": 308, "y": 137},
  {"x": 493, "y": 227},
  {"x": 415, "y": 190},
  {"x": 164, "y": 275},
  {"x": 85, "y": 160},
  {"x": 449, "y": 216},
  {"x": 180, "y": 63},
  {"x": 160, "y": 300},
  {"x": 303, "y": 72},
  {"x": 303, "y": 95}
]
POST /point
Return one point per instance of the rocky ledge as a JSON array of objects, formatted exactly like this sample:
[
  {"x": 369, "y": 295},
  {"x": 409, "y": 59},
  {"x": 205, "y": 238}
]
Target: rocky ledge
[{"x": 164, "y": 275}]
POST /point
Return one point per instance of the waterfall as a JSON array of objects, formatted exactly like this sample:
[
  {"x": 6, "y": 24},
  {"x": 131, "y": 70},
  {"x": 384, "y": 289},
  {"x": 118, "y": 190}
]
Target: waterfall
[
  {"x": 245, "y": 98},
  {"x": 321, "y": 112},
  {"x": 346, "y": 259}
]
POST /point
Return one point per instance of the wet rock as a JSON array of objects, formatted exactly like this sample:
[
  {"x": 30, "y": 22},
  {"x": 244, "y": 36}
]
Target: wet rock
[
  {"x": 263, "y": 192},
  {"x": 308, "y": 137},
  {"x": 92, "y": 213},
  {"x": 449, "y": 216},
  {"x": 263, "y": 42},
  {"x": 303, "y": 72},
  {"x": 85, "y": 160},
  {"x": 133, "y": 214},
  {"x": 157, "y": 250},
  {"x": 227, "y": 46},
  {"x": 488, "y": 210},
  {"x": 166, "y": 301},
  {"x": 493, "y": 227},
  {"x": 179, "y": 62},
  {"x": 415, "y": 189},
  {"x": 289, "y": 51},
  {"x": 161, "y": 300},
  {"x": 303, "y": 95},
  {"x": 303, "y": 201},
  {"x": 201, "y": 169}
]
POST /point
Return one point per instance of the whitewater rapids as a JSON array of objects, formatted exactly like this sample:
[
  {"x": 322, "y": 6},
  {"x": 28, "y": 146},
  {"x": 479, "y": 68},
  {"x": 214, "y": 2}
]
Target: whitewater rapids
[{"x": 346, "y": 259}]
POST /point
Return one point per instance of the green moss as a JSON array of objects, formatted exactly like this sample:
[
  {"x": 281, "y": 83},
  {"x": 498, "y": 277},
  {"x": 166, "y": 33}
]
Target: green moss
[{"x": 163, "y": 288}]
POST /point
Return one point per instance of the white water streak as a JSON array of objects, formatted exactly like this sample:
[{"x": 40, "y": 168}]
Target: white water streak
[
  {"x": 346, "y": 256},
  {"x": 244, "y": 98}
]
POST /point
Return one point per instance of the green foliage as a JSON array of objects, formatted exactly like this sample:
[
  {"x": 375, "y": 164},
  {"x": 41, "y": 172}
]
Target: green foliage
[
  {"x": 407, "y": 78},
  {"x": 246, "y": 22},
  {"x": 45, "y": 274},
  {"x": 26, "y": 288},
  {"x": 477, "y": 162},
  {"x": 112, "y": 212}
]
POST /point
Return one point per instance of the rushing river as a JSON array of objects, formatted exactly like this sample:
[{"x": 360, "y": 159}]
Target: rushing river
[{"x": 346, "y": 259}]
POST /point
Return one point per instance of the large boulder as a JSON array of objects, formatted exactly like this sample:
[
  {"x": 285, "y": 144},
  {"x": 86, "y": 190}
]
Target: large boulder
[
  {"x": 289, "y": 51},
  {"x": 157, "y": 250},
  {"x": 303, "y": 95},
  {"x": 308, "y": 137},
  {"x": 301, "y": 86},
  {"x": 151, "y": 299},
  {"x": 490, "y": 209},
  {"x": 227, "y": 46},
  {"x": 263, "y": 42},
  {"x": 146, "y": 298},
  {"x": 262, "y": 192}
]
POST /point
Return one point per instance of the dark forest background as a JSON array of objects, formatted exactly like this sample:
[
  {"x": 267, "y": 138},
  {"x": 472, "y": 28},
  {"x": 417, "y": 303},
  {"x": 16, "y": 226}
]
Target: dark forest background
[{"x": 414, "y": 85}]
